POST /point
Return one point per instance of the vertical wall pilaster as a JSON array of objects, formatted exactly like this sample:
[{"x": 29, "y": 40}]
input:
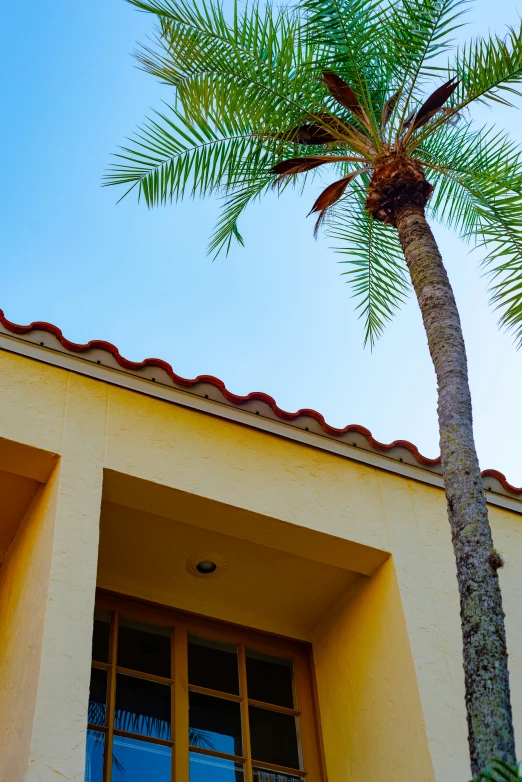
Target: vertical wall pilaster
[
  {"x": 24, "y": 581},
  {"x": 58, "y": 737},
  {"x": 420, "y": 539}
]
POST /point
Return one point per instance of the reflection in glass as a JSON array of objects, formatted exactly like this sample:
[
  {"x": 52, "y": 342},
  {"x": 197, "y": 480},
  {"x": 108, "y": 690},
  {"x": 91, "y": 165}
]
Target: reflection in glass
[
  {"x": 140, "y": 761},
  {"x": 142, "y": 707},
  {"x": 261, "y": 775},
  {"x": 204, "y": 768},
  {"x": 101, "y": 636},
  {"x": 94, "y": 756},
  {"x": 273, "y": 737},
  {"x": 215, "y": 723},
  {"x": 270, "y": 679},
  {"x": 213, "y": 665},
  {"x": 97, "y": 697},
  {"x": 144, "y": 647}
]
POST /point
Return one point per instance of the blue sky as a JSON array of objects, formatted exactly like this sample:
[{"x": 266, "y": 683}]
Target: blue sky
[{"x": 275, "y": 316}]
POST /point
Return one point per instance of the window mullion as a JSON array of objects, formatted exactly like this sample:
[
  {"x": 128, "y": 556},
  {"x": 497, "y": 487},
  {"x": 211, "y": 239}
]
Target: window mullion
[
  {"x": 244, "y": 712},
  {"x": 181, "y": 705},
  {"x": 111, "y": 698}
]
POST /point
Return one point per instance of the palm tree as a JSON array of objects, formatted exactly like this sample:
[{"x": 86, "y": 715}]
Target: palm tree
[{"x": 270, "y": 95}]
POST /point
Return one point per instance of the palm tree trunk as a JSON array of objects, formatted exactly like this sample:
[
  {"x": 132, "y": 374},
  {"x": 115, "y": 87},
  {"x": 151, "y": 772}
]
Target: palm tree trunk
[{"x": 490, "y": 725}]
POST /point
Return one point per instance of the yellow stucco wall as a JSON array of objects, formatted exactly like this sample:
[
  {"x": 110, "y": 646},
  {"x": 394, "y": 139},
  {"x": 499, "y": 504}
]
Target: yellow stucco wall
[
  {"x": 371, "y": 711},
  {"x": 94, "y": 426},
  {"x": 263, "y": 588},
  {"x": 24, "y": 582},
  {"x": 63, "y": 414}
]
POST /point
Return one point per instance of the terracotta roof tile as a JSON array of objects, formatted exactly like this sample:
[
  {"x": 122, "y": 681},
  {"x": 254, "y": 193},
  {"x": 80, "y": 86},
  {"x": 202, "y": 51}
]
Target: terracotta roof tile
[{"x": 234, "y": 399}]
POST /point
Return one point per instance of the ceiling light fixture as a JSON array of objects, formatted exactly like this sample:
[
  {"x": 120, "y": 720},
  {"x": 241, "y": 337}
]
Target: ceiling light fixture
[{"x": 206, "y": 566}]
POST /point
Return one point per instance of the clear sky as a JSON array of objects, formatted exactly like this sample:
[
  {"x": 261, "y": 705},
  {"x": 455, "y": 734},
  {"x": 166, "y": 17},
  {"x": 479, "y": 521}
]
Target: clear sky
[{"x": 275, "y": 316}]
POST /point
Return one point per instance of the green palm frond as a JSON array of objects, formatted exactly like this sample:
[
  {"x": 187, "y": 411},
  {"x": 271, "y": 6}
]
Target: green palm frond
[
  {"x": 255, "y": 70},
  {"x": 499, "y": 772},
  {"x": 484, "y": 152},
  {"x": 500, "y": 233},
  {"x": 420, "y": 31},
  {"x": 376, "y": 270},
  {"x": 235, "y": 204},
  {"x": 478, "y": 192},
  {"x": 171, "y": 155},
  {"x": 489, "y": 69},
  {"x": 348, "y": 34},
  {"x": 254, "y": 33},
  {"x": 335, "y": 78},
  {"x": 494, "y": 222},
  {"x": 345, "y": 27}
]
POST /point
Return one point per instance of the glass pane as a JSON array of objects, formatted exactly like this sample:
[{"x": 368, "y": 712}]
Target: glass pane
[
  {"x": 204, "y": 768},
  {"x": 142, "y": 707},
  {"x": 215, "y": 723},
  {"x": 143, "y": 647},
  {"x": 94, "y": 756},
  {"x": 101, "y": 636},
  {"x": 97, "y": 697},
  {"x": 213, "y": 665},
  {"x": 270, "y": 679},
  {"x": 140, "y": 761},
  {"x": 261, "y": 775},
  {"x": 273, "y": 737}
]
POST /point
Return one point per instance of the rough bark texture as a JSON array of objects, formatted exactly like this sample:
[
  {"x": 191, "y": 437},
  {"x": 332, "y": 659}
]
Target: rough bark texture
[
  {"x": 397, "y": 181},
  {"x": 490, "y": 727}
]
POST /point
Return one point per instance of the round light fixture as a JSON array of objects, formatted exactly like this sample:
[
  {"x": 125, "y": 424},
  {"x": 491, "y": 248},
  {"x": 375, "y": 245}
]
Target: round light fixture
[{"x": 206, "y": 566}]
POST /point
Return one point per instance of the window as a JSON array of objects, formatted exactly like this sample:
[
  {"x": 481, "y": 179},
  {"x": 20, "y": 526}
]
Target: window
[{"x": 176, "y": 697}]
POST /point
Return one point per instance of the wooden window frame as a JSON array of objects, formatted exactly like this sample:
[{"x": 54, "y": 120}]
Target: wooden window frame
[{"x": 182, "y": 624}]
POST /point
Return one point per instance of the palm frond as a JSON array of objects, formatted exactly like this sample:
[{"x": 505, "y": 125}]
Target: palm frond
[
  {"x": 235, "y": 204},
  {"x": 493, "y": 221},
  {"x": 477, "y": 176},
  {"x": 500, "y": 233},
  {"x": 349, "y": 27},
  {"x": 348, "y": 39},
  {"x": 201, "y": 738},
  {"x": 283, "y": 91},
  {"x": 484, "y": 152},
  {"x": 376, "y": 270},
  {"x": 332, "y": 194},
  {"x": 256, "y": 73},
  {"x": 170, "y": 156},
  {"x": 143, "y": 724},
  {"x": 499, "y": 772},
  {"x": 489, "y": 69},
  {"x": 420, "y": 31},
  {"x": 255, "y": 69}
]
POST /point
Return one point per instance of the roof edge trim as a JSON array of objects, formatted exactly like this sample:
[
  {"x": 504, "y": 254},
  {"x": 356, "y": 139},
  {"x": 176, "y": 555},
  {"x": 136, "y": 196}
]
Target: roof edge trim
[{"x": 432, "y": 464}]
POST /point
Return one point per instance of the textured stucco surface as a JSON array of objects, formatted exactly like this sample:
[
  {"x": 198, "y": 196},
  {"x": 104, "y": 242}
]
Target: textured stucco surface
[
  {"x": 24, "y": 582},
  {"x": 371, "y": 712},
  {"x": 63, "y": 414},
  {"x": 261, "y": 587},
  {"x": 420, "y": 540},
  {"x": 16, "y": 492},
  {"x": 57, "y": 747},
  {"x": 93, "y": 426},
  {"x": 507, "y": 534},
  {"x": 239, "y": 466}
]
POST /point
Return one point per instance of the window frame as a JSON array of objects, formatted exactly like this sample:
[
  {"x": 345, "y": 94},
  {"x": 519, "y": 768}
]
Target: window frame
[{"x": 182, "y": 624}]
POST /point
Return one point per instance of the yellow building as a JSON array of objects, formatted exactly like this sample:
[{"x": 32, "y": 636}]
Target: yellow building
[{"x": 273, "y": 600}]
